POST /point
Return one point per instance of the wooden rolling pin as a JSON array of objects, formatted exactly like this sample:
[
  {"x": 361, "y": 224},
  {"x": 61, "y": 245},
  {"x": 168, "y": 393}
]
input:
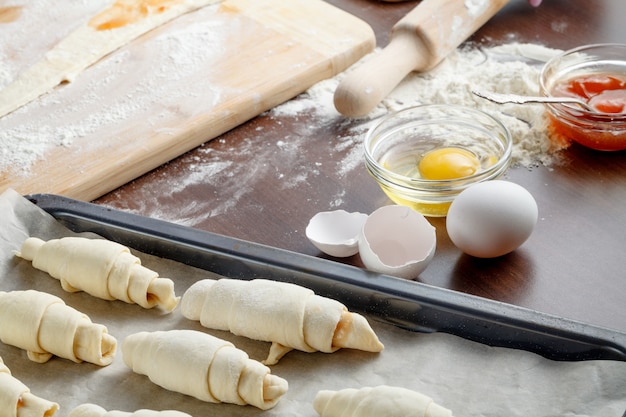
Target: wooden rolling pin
[{"x": 419, "y": 41}]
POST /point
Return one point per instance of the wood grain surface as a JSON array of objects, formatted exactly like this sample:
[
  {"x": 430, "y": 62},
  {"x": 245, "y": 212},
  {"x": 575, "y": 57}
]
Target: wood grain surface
[
  {"x": 573, "y": 265},
  {"x": 256, "y": 54}
]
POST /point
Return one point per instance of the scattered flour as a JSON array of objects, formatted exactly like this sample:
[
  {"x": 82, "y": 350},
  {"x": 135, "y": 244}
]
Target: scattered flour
[
  {"x": 509, "y": 68},
  {"x": 51, "y": 122}
]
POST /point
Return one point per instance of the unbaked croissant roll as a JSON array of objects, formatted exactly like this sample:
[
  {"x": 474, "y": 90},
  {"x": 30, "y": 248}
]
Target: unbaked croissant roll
[
  {"x": 92, "y": 410},
  {"x": 101, "y": 268},
  {"x": 44, "y": 325},
  {"x": 205, "y": 367},
  {"x": 378, "y": 401},
  {"x": 16, "y": 400},
  {"x": 288, "y": 315}
]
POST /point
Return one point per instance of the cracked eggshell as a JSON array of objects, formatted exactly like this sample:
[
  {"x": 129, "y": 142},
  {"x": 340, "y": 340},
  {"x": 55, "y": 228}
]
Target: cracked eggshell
[
  {"x": 336, "y": 233},
  {"x": 397, "y": 240}
]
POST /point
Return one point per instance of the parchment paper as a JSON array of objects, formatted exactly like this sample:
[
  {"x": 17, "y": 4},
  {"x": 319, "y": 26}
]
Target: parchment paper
[{"x": 471, "y": 379}]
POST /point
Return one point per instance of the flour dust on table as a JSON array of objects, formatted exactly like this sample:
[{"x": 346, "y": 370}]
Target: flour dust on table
[
  {"x": 234, "y": 169},
  {"x": 510, "y": 68}
]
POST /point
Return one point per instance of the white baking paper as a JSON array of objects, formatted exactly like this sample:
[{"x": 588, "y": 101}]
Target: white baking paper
[{"x": 471, "y": 379}]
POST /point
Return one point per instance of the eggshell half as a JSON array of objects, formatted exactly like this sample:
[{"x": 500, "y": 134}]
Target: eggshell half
[
  {"x": 397, "y": 240},
  {"x": 492, "y": 218},
  {"x": 336, "y": 233}
]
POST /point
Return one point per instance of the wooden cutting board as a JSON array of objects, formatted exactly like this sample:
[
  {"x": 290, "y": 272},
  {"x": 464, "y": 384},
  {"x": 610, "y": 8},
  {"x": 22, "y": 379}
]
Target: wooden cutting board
[{"x": 172, "y": 89}]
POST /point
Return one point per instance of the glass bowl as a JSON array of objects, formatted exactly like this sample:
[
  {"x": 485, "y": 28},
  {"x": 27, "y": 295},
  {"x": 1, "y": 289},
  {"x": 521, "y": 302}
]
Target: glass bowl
[
  {"x": 396, "y": 147},
  {"x": 585, "y": 72}
]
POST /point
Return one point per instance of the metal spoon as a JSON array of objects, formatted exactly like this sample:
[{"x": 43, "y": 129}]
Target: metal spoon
[{"x": 514, "y": 98}]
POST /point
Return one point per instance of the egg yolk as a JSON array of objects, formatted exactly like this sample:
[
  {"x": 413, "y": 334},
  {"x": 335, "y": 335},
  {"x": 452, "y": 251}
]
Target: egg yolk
[{"x": 448, "y": 163}]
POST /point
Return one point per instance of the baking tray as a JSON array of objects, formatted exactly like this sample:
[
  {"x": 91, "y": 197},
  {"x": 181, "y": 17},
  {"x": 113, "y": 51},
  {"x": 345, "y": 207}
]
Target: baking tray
[{"x": 407, "y": 304}]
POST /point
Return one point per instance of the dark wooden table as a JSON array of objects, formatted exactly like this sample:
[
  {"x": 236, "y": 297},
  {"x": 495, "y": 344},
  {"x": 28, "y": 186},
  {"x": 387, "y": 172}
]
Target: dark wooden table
[{"x": 251, "y": 184}]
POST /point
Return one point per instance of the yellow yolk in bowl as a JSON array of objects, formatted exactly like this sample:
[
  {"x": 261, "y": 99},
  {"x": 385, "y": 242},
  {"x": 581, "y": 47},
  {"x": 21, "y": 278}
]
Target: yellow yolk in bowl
[{"x": 448, "y": 163}]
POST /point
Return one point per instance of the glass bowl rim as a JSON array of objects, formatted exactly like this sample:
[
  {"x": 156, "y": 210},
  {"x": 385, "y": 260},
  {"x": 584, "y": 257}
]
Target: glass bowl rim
[
  {"x": 564, "y": 109},
  {"x": 414, "y": 184}
]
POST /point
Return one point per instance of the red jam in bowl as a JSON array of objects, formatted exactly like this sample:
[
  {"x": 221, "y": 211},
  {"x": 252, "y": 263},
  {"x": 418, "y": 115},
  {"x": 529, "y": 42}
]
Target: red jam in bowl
[
  {"x": 606, "y": 94},
  {"x": 595, "y": 74}
]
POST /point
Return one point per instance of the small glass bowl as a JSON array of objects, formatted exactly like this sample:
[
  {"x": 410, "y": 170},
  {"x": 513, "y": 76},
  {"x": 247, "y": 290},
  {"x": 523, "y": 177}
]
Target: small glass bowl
[
  {"x": 396, "y": 144},
  {"x": 600, "y": 131}
]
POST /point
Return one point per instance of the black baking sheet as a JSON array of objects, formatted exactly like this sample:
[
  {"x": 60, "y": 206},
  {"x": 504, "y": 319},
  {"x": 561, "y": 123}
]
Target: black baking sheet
[{"x": 407, "y": 304}]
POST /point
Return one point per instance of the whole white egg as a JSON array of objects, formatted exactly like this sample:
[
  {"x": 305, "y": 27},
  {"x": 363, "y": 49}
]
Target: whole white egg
[{"x": 491, "y": 218}]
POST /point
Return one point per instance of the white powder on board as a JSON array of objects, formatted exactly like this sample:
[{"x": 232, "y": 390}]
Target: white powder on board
[{"x": 172, "y": 55}]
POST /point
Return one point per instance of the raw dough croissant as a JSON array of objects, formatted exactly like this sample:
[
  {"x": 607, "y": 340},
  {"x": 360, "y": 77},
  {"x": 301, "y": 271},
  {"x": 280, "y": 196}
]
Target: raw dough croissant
[
  {"x": 379, "y": 401},
  {"x": 92, "y": 410},
  {"x": 203, "y": 366},
  {"x": 288, "y": 315},
  {"x": 101, "y": 268},
  {"x": 44, "y": 325},
  {"x": 16, "y": 399}
]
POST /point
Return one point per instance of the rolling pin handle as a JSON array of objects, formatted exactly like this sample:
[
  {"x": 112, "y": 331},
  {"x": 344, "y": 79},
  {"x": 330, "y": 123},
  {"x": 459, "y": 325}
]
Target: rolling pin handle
[
  {"x": 362, "y": 89},
  {"x": 419, "y": 41}
]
